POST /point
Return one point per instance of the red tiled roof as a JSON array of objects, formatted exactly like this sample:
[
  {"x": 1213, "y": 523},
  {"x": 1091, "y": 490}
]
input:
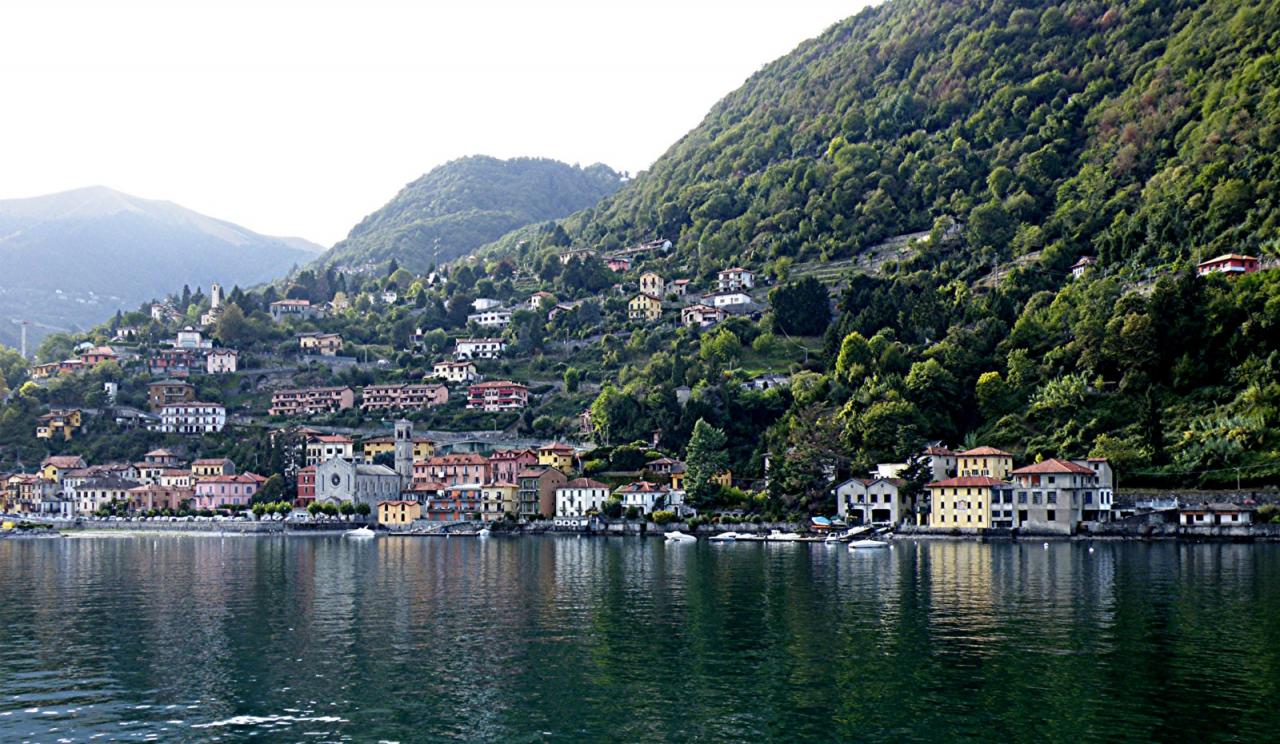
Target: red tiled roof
[
  {"x": 1052, "y": 465},
  {"x": 985, "y": 451},
  {"x": 643, "y": 487}
]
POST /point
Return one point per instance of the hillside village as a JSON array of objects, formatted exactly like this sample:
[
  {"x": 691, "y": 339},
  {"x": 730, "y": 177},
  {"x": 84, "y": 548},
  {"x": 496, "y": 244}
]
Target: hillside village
[{"x": 512, "y": 376}]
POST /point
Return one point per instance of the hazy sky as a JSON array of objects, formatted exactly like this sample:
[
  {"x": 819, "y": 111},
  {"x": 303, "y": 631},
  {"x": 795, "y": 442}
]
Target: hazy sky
[{"x": 299, "y": 118}]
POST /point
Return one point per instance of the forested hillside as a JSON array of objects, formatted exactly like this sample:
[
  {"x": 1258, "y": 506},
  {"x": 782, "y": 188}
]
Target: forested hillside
[
  {"x": 1144, "y": 133},
  {"x": 465, "y": 203},
  {"x": 910, "y": 190}
]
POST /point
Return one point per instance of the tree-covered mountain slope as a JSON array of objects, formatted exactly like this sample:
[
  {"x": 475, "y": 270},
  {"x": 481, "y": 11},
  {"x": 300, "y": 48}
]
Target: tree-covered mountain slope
[
  {"x": 1141, "y": 131},
  {"x": 1023, "y": 136},
  {"x": 463, "y": 204}
]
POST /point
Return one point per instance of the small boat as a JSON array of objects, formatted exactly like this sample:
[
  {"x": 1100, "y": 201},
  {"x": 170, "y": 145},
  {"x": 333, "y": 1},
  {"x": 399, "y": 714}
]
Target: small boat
[
  {"x": 679, "y": 536},
  {"x": 861, "y": 544},
  {"x": 724, "y": 537},
  {"x": 777, "y": 536},
  {"x": 360, "y": 533},
  {"x": 484, "y": 532}
]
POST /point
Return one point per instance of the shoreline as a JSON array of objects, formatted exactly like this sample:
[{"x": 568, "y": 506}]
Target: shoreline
[{"x": 1260, "y": 534}]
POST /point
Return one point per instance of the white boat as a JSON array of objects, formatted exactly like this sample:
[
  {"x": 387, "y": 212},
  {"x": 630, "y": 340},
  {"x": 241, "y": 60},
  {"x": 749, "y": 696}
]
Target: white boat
[
  {"x": 724, "y": 537},
  {"x": 483, "y": 533},
  {"x": 861, "y": 544},
  {"x": 360, "y": 533},
  {"x": 777, "y": 536},
  {"x": 679, "y": 536}
]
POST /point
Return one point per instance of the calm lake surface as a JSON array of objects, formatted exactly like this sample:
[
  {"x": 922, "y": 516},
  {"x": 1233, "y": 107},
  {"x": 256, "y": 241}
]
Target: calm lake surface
[{"x": 180, "y": 638}]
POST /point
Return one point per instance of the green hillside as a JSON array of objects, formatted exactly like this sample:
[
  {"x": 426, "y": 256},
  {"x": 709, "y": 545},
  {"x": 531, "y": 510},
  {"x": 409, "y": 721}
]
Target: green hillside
[
  {"x": 465, "y": 203},
  {"x": 911, "y": 189},
  {"x": 1023, "y": 135}
]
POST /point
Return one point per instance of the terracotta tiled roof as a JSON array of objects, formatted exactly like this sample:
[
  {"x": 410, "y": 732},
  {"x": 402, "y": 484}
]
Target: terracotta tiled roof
[
  {"x": 1053, "y": 465},
  {"x": 985, "y": 452}
]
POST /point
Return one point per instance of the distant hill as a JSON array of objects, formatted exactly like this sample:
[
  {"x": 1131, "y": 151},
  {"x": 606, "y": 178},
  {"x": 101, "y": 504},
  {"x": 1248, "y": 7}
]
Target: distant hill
[
  {"x": 72, "y": 259},
  {"x": 466, "y": 203}
]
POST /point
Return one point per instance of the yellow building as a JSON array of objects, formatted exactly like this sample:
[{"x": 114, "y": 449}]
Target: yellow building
[
  {"x": 398, "y": 513},
  {"x": 644, "y": 307},
  {"x": 651, "y": 283},
  {"x": 723, "y": 478},
  {"x": 558, "y": 456},
  {"x": 54, "y": 466},
  {"x": 984, "y": 461},
  {"x": 964, "y": 502},
  {"x": 423, "y": 448},
  {"x": 497, "y": 500},
  {"x": 212, "y": 467},
  {"x": 58, "y": 423},
  {"x": 677, "y": 480}
]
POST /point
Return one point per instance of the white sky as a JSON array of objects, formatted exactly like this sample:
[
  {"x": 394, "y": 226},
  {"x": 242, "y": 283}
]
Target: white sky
[{"x": 299, "y": 117}]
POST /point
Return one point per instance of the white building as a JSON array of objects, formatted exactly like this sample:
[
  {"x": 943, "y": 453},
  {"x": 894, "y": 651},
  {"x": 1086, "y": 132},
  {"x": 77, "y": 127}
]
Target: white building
[
  {"x": 491, "y": 318},
  {"x": 193, "y": 417},
  {"x": 191, "y": 338},
  {"x": 699, "y": 315},
  {"x": 480, "y": 304},
  {"x": 726, "y": 299},
  {"x": 479, "y": 348},
  {"x": 645, "y": 496},
  {"x": 732, "y": 280},
  {"x": 455, "y": 371},
  {"x": 221, "y": 361},
  {"x": 872, "y": 501},
  {"x": 579, "y": 496}
]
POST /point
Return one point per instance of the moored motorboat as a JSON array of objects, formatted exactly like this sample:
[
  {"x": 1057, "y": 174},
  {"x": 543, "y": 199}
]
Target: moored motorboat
[
  {"x": 484, "y": 532},
  {"x": 867, "y": 544},
  {"x": 724, "y": 537},
  {"x": 679, "y": 536},
  {"x": 778, "y": 536},
  {"x": 360, "y": 533}
]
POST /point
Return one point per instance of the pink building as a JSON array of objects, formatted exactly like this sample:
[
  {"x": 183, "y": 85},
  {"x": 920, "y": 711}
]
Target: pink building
[
  {"x": 1228, "y": 263},
  {"x": 505, "y": 465},
  {"x": 226, "y": 491},
  {"x": 453, "y": 470}
]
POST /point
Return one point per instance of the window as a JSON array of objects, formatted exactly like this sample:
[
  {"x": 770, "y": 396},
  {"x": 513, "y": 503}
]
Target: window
[
  {"x": 1051, "y": 497},
  {"x": 1035, "y": 497},
  {"x": 1088, "y": 497},
  {"x": 1022, "y": 497},
  {"x": 1051, "y": 515}
]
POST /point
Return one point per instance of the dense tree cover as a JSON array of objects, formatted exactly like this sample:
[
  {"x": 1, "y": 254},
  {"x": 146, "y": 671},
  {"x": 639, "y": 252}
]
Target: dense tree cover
[
  {"x": 1014, "y": 137},
  {"x": 466, "y": 203},
  {"x": 1020, "y": 136}
]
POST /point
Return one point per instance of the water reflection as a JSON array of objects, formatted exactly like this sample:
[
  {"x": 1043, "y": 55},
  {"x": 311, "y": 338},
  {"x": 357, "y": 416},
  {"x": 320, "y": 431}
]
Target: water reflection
[{"x": 626, "y": 639}]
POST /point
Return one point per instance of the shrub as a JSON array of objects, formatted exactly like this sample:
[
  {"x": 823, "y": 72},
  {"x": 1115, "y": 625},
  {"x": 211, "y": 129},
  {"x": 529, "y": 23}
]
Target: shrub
[
  {"x": 663, "y": 516},
  {"x": 632, "y": 513}
]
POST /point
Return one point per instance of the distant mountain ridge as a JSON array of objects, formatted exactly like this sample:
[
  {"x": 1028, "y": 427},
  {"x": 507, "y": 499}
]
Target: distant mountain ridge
[
  {"x": 73, "y": 258},
  {"x": 466, "y": 203}
]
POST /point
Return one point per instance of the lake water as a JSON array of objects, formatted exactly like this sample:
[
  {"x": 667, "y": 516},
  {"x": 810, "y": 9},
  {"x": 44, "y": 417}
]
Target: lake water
[{"x": 179, "y": 638}]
